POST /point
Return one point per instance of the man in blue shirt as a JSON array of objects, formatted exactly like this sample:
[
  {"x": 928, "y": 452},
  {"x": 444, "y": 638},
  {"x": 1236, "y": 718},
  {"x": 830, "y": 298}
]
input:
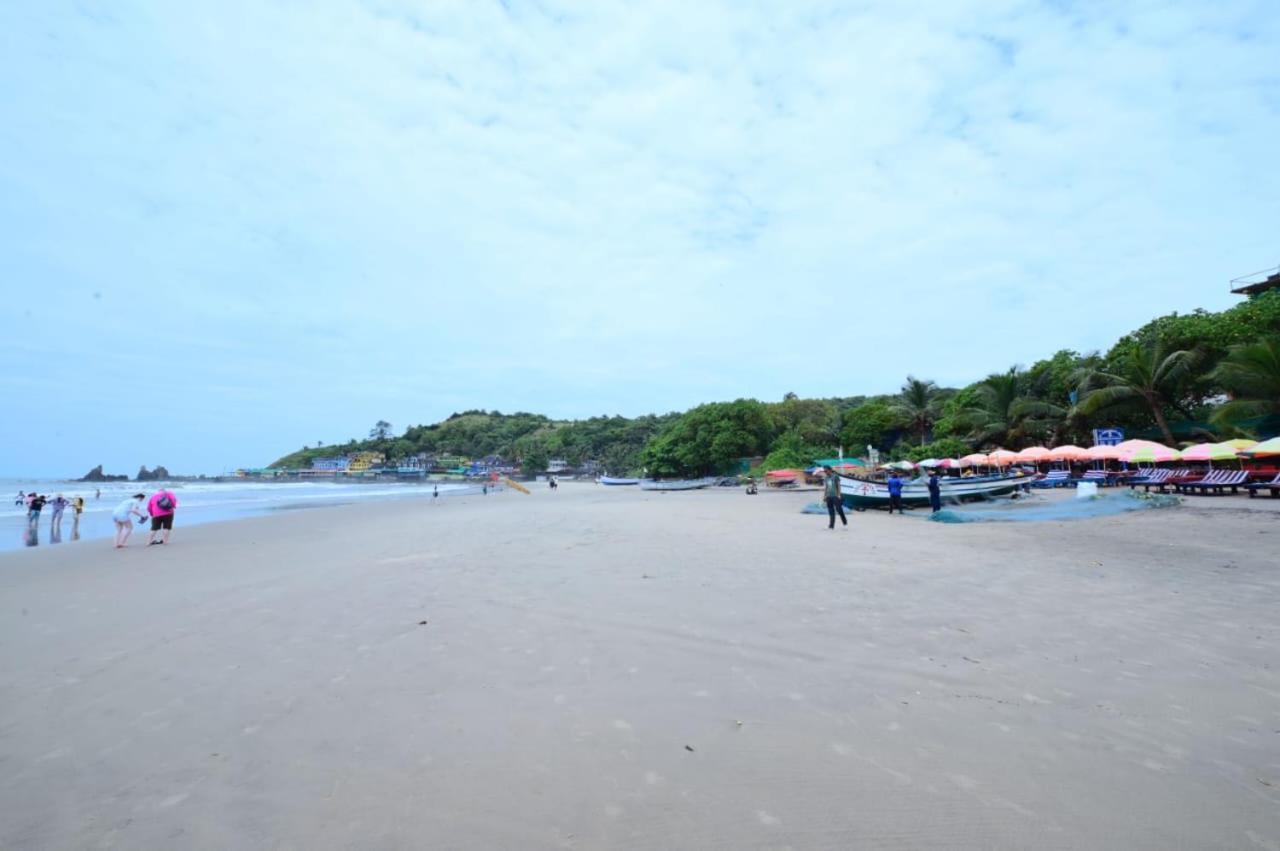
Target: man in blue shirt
[
  {"x": 935, "y": 491},
  {"x": 895, "y": 492}
]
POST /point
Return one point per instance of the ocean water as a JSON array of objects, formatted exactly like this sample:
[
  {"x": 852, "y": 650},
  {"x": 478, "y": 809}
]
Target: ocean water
[{"x": 198, "y": 502}]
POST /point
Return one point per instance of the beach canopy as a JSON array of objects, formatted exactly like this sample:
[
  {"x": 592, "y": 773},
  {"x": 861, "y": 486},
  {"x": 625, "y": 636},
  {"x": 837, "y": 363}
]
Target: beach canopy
[
  {"x": 1209, "y": 452},
  {"x": 1003, "y": 458},
  {"x": 837, "y": 462},
  {"x": 1067, "y": 453},
  {"x": 1264, "y": 449},
  {"x": 1034, "y": 454},
  {"x": 1154, "y": 454}
]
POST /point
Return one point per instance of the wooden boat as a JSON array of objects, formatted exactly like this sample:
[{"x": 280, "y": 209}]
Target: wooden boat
[
  {"x": 675, "y": 484},
  {"x": 863, "y": 493},
  {"x": 614, "y": 480}
]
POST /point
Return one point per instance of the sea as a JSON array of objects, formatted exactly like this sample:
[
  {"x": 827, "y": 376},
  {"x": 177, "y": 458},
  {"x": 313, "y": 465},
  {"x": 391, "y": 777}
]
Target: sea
[{"x": 198, "y": 502}]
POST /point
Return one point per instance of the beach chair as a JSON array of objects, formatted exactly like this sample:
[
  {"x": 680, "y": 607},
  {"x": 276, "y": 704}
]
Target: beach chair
[
  {"x": 1208, "y": 479},
  {"x": 1099, "y": 476},
  {"x": 1054, "y": 479},
  {"x": 1273, "y": 486},
  {"x": 1153, "y": 477},
  {"x": 1212, "y": 484}
]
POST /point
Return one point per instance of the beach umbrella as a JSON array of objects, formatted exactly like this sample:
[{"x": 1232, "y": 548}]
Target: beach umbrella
[
  {"x": 1239, "y": 443},
  {"x": 929, "y": 462},
  {"x": 1264, "y": 449},
  {"x": 973, "y": 460},
  {"x": 898, "y": 465},
  {"x": 1003, "y": 458},
  {"x": 1130, "y": 445},
  {"x": 1034, "y": 454},
  {"x": 1209, "y": 452},
  {"x": 953, "y": 463},
  {"x": 1156, "y": 454},
  {"x": 1067, "y": 453},
  {"x": 1104, "y": 453}
]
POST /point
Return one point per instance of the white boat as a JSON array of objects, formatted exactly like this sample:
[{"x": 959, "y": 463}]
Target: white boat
[
  {"x": 864, "y": 493},
  {"x": 675, "y": 484},
  {"x": 614, "y": 480}
]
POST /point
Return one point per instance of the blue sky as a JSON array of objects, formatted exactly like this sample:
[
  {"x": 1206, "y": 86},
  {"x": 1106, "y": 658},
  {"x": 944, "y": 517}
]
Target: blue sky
[{"x": 229, "y": 229}]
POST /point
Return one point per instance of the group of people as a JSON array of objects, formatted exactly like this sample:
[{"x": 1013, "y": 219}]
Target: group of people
[
  {"x": 835, "y": 499},
  {"x": 160, "y": 509}
]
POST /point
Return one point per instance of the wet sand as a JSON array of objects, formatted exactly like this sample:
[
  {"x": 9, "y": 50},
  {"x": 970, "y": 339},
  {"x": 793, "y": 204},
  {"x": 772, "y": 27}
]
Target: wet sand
[{"x": 606, "y": 668}]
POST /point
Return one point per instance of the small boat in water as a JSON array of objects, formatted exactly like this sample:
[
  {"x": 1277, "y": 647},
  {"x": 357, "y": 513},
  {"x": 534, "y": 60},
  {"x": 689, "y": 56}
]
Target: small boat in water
[
  {"x": 864, "y": 493},
  {"x": 675, "y": 484},
  {"x": 613, "y": 480}
]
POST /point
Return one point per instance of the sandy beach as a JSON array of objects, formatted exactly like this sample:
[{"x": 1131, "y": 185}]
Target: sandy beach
[{"x": 609, "y": 668}]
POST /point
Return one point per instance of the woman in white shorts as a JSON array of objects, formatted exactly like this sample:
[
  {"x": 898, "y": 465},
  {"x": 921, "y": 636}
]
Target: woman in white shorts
[{"x": 123, "y": 515}]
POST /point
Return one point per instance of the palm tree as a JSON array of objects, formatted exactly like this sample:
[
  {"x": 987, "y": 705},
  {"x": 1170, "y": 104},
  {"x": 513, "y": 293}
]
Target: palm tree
[
  {"x": 1145, "y": 376},
  {"x": 1251, "y": 373},
  {"x": 917, "y": 405},
  {"x": 1002, "y": 413}
]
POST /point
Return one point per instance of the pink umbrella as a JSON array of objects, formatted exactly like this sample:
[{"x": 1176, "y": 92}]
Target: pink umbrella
[
  {"x": 1067, "y": 453},
  {"x": 1104, "y": 453},
  {"x": 974, "y": 460},
  {"x": 954, "y": 463},
  {"x": 1034, "y": 454}
]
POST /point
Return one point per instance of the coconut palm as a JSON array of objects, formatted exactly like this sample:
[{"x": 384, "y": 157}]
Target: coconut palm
[
  {"x": 1145, "y": 376},
  {"x": 1251, "y": 373},
  {"x": 917, "y": 405},
  {"x": 1002, "y": 413}
]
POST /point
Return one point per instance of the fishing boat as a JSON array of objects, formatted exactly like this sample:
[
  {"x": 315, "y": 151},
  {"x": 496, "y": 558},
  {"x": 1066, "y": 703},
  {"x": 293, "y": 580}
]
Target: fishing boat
[
  {"x": 864, "y": 493},
  {"x": 675, "y": 484},
  {"x": 614, "y": 480}
]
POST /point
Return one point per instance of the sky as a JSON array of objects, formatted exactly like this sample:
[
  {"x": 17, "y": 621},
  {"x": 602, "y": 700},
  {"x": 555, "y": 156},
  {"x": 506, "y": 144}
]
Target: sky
[{"x": 231, "y": 229}]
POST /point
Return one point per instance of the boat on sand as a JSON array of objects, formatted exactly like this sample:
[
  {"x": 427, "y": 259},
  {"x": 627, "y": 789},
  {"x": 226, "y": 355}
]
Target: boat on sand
[
  {"x": 860, "y": 494},
  {"x": 614, "y": 480},
  {"x": 675, "y": 484}
]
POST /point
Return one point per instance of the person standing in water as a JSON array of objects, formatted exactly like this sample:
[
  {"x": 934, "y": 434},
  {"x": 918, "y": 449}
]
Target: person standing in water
[
  {"x": 59, "y": 504},
  {"x": 895, "y": 492},
  {"x": 97, "y": 493},
  {"x": 77, "y": 508},
  {"x": 22, "y": 497},
  {"x": 935, "y": 491},
  {"x": 123, "y": 516},
  {"x": 833, "y": 498},
  {"x": 33, "y": 509},
  {"x": 161, "y": 506}
]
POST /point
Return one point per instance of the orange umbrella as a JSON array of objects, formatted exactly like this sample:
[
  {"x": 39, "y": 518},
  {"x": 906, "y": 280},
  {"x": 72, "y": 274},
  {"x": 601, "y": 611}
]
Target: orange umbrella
[
  {"x": 974, "y": 460},
  {"x": 1003, "y": 458},
  {"x": 1067, "y": 453},
  {"x": 1104, "y": 453},
  {"x": 1034, "y": 454}
]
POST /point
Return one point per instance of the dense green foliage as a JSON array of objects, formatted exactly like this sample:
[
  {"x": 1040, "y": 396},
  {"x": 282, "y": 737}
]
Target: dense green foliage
[{"x": 1179, "y": 377}]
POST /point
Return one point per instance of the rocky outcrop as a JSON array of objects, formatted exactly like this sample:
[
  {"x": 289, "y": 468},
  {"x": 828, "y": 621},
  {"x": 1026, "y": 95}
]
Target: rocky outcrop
[
  {"x": 156, "y": 475},
  {"x": 96, "y": 475}
]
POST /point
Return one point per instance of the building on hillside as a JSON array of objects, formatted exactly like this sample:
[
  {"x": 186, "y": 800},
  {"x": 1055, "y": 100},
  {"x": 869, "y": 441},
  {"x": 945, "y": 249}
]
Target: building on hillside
[
  {"x": 1257, "y": 283},
  {"x": 557, "y": 465},
  {"x": 337, "y": 464},
  {"x": 364, "y": 461}
]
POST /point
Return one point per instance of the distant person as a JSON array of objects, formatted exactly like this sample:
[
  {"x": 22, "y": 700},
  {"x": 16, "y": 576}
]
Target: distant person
[
  {"x": 435, "y": 492},
  {"x": 34, "y": 505},
  {"x": 484, "y": 489},
  {"x": 123, "y": 516},
  {"x": 77, "y": 508},
  {"x": 751, "y": 485},
  {"x": 895, "y": 492},
  {"x": 22, "y": 497},
  {"x": 97, "y": 493},
  {"x": 833, "y": 498},
  {"x": 59, "y": 504},
  {"x": 935, "y": 491},
  {"x": 161, "y": 506}
]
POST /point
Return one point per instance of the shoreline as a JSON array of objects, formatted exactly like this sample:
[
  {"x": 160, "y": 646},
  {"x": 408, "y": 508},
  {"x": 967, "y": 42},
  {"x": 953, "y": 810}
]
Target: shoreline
[{"x": 605, "y": 667}]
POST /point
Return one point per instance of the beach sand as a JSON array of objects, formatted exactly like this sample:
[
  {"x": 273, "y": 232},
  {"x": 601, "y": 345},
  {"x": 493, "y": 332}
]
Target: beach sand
[{"x": 609, "y": 668}]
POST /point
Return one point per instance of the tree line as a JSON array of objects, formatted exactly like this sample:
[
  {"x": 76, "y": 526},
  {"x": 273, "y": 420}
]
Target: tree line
[{"x": 1179, "y": 378}]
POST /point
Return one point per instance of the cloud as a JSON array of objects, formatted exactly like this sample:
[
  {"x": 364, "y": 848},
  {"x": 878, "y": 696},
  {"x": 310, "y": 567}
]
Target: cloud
[{"x": 414, "y": 207}]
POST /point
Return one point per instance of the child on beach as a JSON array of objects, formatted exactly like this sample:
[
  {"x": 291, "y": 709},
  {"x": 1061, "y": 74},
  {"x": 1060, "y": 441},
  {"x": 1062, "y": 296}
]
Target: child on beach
[{"x": 123, "y": 516}]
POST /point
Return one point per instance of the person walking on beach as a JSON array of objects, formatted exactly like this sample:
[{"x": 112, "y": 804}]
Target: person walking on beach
[
  {"x": 833, "y": 498},
  {"x": 161, "y": 507},
  {"x": 59, "y": 504},
  {"x": 123, "y": 516},
  {"x": 895, "y": 492},
  {"x": 435, "y": 492},
  {"x": 33, "y": 509}
]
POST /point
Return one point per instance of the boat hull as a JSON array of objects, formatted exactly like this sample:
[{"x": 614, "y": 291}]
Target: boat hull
[
  {"x": 610, "y": 480},
  {"x": 675, "y": 485},
  {"x": 861, "y": 493}
]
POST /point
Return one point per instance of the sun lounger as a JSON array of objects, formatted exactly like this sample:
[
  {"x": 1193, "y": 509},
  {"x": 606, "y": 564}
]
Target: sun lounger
[
  {"x": 1054, "y": 479},
  {"x": 1099, "y": 476},
  {"x": 1182, "y": 474},
  {"x": 1153, "y": 477},
  {"x": 1217, "y": 484},
  {"x": 1273, "y": 486}
]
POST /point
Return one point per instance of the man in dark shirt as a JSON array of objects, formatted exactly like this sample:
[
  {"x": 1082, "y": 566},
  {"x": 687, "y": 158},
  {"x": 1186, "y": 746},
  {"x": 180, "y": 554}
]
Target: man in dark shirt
[
  {"x": 33, "y": 509},
  {"x": 833, "y": 498},
  {"x": 935, "y": 491}
]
